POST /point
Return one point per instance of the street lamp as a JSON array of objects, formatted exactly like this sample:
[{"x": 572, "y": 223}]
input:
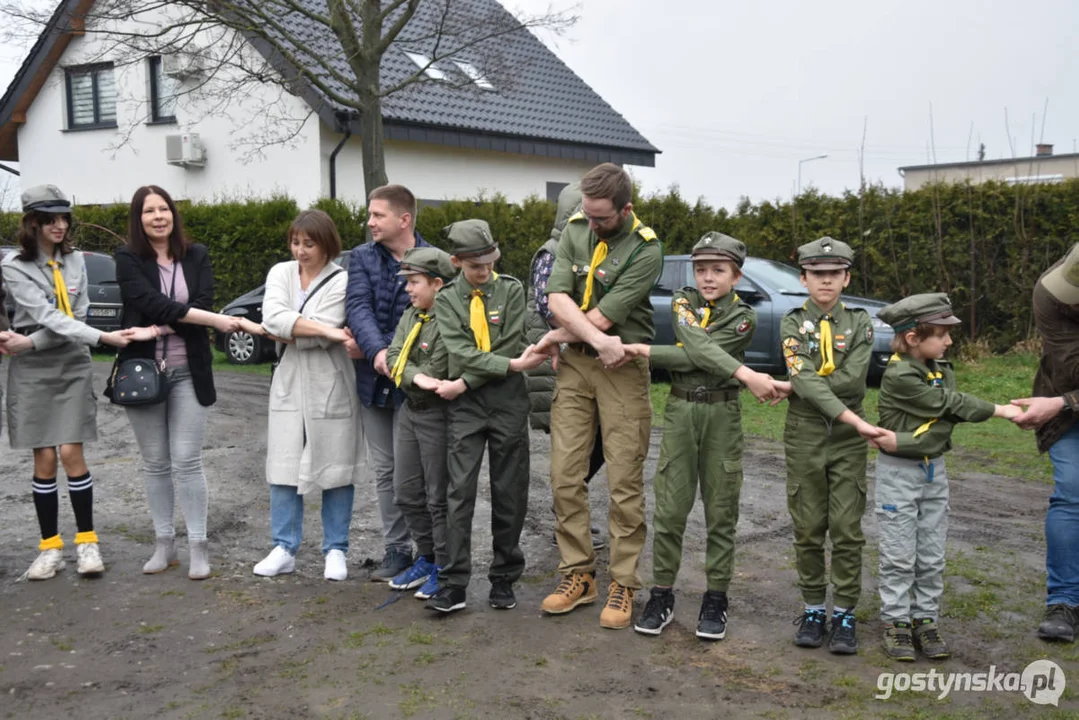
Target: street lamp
[{"x": 810, "y": 159}]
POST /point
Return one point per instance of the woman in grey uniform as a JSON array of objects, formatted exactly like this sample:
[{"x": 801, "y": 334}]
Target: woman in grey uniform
[{"x": 50, "y": 394}]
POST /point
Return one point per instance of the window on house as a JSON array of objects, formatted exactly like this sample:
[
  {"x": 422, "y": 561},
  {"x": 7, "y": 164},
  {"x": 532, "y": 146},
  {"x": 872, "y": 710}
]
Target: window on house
[
  {"x": 91, "y": 96},
  {"x": 473, "y": 74},
  {"x": 422, "y": 61},
  {"x": 163, "y": 91},
  {"x": 554, "y": 189}
]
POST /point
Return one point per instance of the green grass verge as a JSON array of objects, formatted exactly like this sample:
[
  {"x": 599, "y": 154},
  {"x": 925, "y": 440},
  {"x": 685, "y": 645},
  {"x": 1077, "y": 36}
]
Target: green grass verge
[{"x": 221, "y": 362}]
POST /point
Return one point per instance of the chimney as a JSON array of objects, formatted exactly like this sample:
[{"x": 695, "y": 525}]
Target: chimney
[{"x": 1043, "y": 150}]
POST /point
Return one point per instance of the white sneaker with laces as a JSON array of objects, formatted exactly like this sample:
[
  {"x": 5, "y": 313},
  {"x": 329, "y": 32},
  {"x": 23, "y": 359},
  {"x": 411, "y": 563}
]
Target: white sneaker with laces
[
  {"x": 47, "y": 564},
  {"x": 90, "y": 562},
  {"x": 278, "y": 562},
  {"x": 336, "y": 569}
]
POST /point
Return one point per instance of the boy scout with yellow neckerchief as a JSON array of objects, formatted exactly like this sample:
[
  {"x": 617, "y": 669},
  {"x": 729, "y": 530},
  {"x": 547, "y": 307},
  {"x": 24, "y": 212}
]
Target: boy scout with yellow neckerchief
[{"x": 827, "y": 347}]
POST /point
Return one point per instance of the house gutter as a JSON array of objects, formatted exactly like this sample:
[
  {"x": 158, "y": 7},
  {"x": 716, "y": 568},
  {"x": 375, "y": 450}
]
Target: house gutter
[{"x": 342, "y": 118}]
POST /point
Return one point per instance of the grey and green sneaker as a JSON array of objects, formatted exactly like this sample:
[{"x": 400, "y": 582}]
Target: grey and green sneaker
[
  {"x": 928, "y": 640},
  {"x": 899, "y": 642}
]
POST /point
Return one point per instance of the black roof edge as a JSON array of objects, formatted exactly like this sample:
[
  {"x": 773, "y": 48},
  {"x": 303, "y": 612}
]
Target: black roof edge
[{"x": 1001, "y": 161}]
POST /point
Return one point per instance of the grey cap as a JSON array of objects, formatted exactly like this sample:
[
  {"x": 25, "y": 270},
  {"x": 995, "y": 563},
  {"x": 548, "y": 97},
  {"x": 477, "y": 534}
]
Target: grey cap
[
  {"x": 427, "y": 261},
  {"x": 717, "y": 246},
  {"x": 825, "y": 254},
  {"x": 472, "y": 240},
  {"x": 1062, "y": 282},
  {"x": 45, "y": 198},
  {"x": 921, "y": 309}
]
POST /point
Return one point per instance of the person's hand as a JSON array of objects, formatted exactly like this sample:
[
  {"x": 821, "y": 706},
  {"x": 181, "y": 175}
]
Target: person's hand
[
  {"x": 116, "y": 339},
  {"x": 528, "y": 360},
  {"x": 355, "y": 352},
  {"x": 339, "y": 335},
  {"x": 13, "y": 343},
  {"x": 426, "y": 382},
  {"x": 380, "y": 363},
  {"x": 251, "y": 327},
  {"x": 1008, "y": 412},
  {"x": 140, "y": 334},
  {"x": 610, "y": 350},
  {"x": 227, "y": 323},
  {"x": 758, "y": 383},
  {"x": 1039, "y": 410},
  {"x": 870, "y": 432},
  {"x": 451, "y": 389},
  {"x": 783, "y": 390},
  {"x": 886, "y": 441},
  {"x": 638, "y": 350}
]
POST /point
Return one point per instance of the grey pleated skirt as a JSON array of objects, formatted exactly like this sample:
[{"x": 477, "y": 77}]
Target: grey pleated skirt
[{"x": 50, "y": 397}]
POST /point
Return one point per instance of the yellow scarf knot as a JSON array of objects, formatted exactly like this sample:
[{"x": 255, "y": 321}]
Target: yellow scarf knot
[
  {"x": 477, "y": 320},
  {"x": 398, "y": 371},
  {"x": 63, "y": 302},
  {"x": 828, "y": 367}
]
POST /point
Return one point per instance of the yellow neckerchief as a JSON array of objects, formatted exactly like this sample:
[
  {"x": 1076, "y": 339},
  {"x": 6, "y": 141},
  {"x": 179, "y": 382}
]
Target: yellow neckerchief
[
  {"x": 398, "y": 371},
  {"x": 930, "y": 377},
  {"x": 477, "y": 318},
  {"x": 706, "y": 311},
  {"x": 63, "y": 302},
  {"x": 598, "y": 256},
  {"x": 826, "y": 338}
]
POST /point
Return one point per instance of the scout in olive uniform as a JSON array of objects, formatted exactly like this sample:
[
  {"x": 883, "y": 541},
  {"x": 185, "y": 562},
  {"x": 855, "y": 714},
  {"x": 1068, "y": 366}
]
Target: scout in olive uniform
[
  {"x": 419, "y": 364},
  {"x": 920, "y": 407},
  {"x": 827, "y": 348},
  {"x": 480, "y": 316},
  {"x": 702, "y": 431},
  {"x": 605, "y": 267}
]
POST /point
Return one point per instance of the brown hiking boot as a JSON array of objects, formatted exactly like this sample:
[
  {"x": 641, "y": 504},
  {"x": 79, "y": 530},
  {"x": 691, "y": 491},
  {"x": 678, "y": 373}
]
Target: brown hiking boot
[
  {"x": 928, "y": 640},
  {"x": 899, "y": 642},
  {"x": 573, "y": 590},
  {"x": 618, "y": 613}
]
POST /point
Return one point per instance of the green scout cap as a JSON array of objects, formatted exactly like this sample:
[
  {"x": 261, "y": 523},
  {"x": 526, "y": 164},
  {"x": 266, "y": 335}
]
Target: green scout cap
[
  {"x": 45, "y": 198},
  {"x": 1062, "y": 282},
  {"x": 825, "y": 254},
  {"x": 427, "y": 261},
  {"x": 717, "y": 246},
  {"x": 914, "y": 310},
  {"x": 472, "y": 240}
]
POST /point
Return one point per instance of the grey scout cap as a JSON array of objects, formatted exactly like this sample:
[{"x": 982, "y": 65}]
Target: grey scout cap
[
  {"x": 717, "y": 246},
  {"x": 427, "y": 261},
  {"x": 45, "y": 198},
  {"x": 825, "y": 254},
  {"x": 1062, "y": 282},
  {"x": 914, "y": 310},
  {"x": 472, "y": 240}
]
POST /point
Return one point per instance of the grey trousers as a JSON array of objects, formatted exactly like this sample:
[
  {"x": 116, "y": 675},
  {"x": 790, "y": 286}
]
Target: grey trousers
[
  {"x": 378, "y": 431},
  {"x": 419, "y": 476},
  {"x": 912, "y": 515}
]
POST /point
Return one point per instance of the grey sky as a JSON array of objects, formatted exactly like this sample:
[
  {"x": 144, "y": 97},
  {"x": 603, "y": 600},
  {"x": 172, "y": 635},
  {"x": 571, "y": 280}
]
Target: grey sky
[{"x": 735, "y": 94}]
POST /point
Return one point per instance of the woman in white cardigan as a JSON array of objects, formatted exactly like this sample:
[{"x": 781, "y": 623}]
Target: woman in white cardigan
[{"x": 315, "y": 440}]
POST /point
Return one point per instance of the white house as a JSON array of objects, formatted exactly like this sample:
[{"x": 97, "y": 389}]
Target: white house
[{"x": 99, "y": 126}]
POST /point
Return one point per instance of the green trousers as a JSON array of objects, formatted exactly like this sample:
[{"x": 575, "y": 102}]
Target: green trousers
[
  {"x": 702, "y": 446},
  {"x": 826, "y": 485}
]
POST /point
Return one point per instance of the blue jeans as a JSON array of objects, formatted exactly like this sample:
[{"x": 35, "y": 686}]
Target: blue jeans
[
  {"x": 1062, "y": 522},
  {"x": 286, "y": 517}
]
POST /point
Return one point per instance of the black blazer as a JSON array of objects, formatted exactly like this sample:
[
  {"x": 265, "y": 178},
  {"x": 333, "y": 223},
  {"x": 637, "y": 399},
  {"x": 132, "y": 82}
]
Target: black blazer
[{"x": 147, "y": 303}]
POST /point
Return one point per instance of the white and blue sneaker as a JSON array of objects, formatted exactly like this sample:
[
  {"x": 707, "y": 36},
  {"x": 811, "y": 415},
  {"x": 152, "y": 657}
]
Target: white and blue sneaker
[
  {"x": 430, "y": 587},
  {"x": 414, "y": 576}
]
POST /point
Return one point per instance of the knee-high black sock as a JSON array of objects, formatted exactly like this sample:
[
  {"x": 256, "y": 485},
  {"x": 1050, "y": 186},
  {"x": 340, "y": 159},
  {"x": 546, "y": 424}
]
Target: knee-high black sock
[
  {"x": 47, "y": 506},
  {"x": 81, "y": 491}
]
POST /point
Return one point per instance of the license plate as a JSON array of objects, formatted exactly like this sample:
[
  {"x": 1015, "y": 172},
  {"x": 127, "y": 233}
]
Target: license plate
[{"x": 101, "y": 312}]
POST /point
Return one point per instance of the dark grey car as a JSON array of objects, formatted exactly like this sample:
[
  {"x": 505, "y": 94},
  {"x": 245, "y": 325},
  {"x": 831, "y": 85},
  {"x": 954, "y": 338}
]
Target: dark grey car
[{"x": 771, "y": 288}]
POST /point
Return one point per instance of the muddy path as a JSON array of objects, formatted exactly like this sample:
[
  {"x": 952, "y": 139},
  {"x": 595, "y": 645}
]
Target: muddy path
[{"x": 236, "y": 646}]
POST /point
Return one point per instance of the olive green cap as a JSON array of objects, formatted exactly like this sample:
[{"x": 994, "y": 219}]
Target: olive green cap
[
  {"x": 717, "y": 246},
  {"x": 1062, "y": 282},
  {"x": 922, "y": 309},
  {"x": 472, "y": 240},
  {"x": 825, "y": 254},
  {"x": 47, "y": 199},
  {"x": 427, "y": 261}
]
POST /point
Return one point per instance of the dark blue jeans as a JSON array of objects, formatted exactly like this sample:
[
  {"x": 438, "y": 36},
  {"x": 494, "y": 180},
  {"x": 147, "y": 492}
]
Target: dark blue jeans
[{"x": 1062, "y": 522}]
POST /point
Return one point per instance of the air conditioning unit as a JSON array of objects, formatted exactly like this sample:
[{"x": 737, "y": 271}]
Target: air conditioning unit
[
  {"x": 181, "y": 64},
  {"x": 185, "y": 150}
]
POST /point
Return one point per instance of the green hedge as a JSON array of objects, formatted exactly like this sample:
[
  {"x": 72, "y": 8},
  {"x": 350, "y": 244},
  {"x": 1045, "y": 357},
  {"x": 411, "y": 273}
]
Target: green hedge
[{"x": 985, "y": 244}]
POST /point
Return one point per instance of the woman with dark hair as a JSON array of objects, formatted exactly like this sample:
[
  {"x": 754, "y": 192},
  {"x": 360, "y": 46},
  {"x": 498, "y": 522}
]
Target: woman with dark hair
[
  {"x": 50, "y": 393},
  {"x": 315, "y": 441},
  {"x": 167, "y": 282}
]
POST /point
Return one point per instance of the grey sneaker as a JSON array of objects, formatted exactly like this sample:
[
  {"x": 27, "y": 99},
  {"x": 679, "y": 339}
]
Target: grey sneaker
[
  {"x": 899, "y": 642},
  {"x": 927, "y": 638},
  {"x": 1059, "y": 623},
  {"x": 394, "y": 562}
]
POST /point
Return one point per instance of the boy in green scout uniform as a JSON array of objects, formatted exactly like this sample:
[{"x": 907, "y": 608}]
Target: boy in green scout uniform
[
  {"x": 480, "y": 316},
  {"x": 605, "y": 267},
  {"x": 419, "y": 365},
  {"x": 827, "y": 348},
  {"x": 919, "y": 408},
  {"x": 702, "y": 430}
]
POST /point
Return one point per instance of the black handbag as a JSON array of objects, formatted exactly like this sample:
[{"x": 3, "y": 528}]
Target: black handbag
[{"x": 138, "y": 381}]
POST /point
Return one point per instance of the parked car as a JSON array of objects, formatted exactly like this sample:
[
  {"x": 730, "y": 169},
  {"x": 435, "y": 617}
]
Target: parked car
[
  {"x": 106, "y": 309},
  {"x": 771, "y": 288},
  {"x": 244, "y": 348}
]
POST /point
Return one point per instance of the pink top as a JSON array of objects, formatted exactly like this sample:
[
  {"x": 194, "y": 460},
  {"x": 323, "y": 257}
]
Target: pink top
[{"x": 177, "y": 349}]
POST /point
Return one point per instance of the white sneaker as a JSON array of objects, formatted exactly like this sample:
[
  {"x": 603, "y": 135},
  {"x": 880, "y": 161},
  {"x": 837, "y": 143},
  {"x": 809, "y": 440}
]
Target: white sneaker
[
  {"x": 90, "y": 562},
  {"x": 278, "y": 562},
  {"x": 48, "y": 563},
  {"x": 335, "y": 566}
]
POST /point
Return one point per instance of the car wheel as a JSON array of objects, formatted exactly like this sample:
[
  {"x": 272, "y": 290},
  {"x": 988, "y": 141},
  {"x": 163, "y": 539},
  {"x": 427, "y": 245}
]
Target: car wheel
[{"x": 243, "y": 348}]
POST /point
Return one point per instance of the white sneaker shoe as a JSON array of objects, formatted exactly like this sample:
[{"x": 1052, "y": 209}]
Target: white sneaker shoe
[
  {"x": 90, "y": 562},
  {"x": 335, "y": 566},
  {"x": 48, "y": 563},
  {"x": 278, "y": 562}
]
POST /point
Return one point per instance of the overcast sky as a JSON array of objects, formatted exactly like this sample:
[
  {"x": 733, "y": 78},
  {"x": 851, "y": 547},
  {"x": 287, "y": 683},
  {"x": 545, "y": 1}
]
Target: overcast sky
[{"x": 736, "y": 93}]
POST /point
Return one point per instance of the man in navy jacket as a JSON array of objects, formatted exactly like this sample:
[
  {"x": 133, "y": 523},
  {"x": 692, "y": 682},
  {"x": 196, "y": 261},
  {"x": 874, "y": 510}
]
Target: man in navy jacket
[{"x": 375, "y": 301}]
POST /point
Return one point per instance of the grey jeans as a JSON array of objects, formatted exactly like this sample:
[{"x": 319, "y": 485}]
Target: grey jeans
[
  {"x": 170, "y": 435},
  {"x": 420, "y": 477},
  {"x": 378, "y": 431}
]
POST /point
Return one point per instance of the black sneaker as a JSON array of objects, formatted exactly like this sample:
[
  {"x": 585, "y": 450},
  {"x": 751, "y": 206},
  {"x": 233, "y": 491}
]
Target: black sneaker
[
  {"x": 810, "y": 629},
  {"x": 843, "y": 640},
  {"x": 447, "y": 600},
  {"x": 658, "y": 612},
  {"x": 393, "y": 564},
  {"x": 501, "y": 597},
  {"x": 712, "y": 620},
  {"x": 1059, "y": 623}
]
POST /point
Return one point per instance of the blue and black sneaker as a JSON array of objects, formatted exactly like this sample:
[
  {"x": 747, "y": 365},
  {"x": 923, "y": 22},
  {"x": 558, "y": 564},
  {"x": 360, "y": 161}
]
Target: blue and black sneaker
[
  {"x": 843, "y": 640},
  {"x": 810, "y": 629},
  {"x": 414, "y": 576},
  {"x": 429, "y": 588}
]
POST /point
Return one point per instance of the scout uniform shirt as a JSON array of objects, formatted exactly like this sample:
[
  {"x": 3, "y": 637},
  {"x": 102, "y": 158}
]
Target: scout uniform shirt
[
  {"x": 426, "y": 356},
  {"x": 851, "y": 348},
  {"x": 713, "y": 338},
  {"x": 622, "y": 282},
  {"x": 919, "y": 402},
  {"x": 504, "y": 304}
]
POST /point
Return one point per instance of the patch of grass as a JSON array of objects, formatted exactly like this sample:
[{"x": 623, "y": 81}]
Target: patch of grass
[
  {"x": 233, "y": 712},
  {"x": 249, "y": 642},
  {"x": 415, "y": 698},
  {"x": 354, "y": 639},
  {"x": 145, "y": 629},
  {"x": 540, "y": 661},
  {"x": 418, "y": 637},
  {"x": 221, "y": 362},
  {"x": 173, "y": 593},
  {"x": 380, "y": 629},
  {"x": 64, "y": 644},
  {"x": 424, "y": 658}
]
